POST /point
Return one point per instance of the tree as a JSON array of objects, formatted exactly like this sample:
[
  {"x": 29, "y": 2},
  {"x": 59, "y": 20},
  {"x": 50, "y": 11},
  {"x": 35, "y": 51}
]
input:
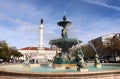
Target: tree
[
  {"x": 113, "y": 45},
  {"x": 88, "y": 52},
  {"x": 14, "y": 53},
  {"x": 6, "y": 52}
]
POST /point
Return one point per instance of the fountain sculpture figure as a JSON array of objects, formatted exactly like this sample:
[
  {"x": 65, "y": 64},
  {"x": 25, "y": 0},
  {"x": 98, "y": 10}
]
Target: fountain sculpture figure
[
  {"x": 26, "y": 63},
  {"x": 81, "y": 63},
  {"x": 96, "y": 61}
]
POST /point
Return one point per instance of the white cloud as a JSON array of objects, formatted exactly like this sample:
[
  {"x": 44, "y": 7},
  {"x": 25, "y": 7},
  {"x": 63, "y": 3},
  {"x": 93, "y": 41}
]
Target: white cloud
[
  {"x": 87, "y": 27},
  {"x": 25, "y": 33},
  {"x": 99, "y": 28},
  {"x": 103, "y": 3}
]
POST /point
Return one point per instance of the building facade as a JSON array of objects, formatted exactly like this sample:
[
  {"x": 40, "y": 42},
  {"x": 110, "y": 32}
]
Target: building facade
[{"x": 36, "y": 54}]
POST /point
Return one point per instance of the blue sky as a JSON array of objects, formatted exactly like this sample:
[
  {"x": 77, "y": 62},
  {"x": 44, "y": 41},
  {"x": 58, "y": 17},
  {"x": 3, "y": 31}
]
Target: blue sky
[{"x": 20, "y": 20}]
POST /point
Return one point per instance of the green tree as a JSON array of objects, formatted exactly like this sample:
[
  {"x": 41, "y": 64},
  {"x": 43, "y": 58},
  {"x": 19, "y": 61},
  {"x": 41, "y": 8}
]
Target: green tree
[
  {"x": 4, "y": 50},
  {"x": 14, "y": 53},
  {"x": 88, "y": 51},
  {"x": 7, "y": 52},
  {"x": 113, "y": 46}
]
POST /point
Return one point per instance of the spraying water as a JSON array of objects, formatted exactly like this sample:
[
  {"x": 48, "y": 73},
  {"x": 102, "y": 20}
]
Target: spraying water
[
  {"x": 80, "y": 48},
  {"x": 91, "y": 44},
  {"x": 96, "y": 61}
]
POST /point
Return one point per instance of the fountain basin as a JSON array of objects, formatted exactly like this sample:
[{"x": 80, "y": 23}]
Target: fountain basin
[
  {"x": 66, "y": 73},
  {"x": 61, "y": 43}
]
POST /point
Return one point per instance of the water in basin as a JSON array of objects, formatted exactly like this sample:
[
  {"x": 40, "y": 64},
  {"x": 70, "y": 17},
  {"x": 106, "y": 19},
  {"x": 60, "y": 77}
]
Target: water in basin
[{"x": 51, "y": 69}]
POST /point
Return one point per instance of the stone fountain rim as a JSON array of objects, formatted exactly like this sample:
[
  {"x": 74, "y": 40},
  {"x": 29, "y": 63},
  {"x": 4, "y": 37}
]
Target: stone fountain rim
[
  {"x": 45, "y": 74},
  {"x": 51, "y": 74}
]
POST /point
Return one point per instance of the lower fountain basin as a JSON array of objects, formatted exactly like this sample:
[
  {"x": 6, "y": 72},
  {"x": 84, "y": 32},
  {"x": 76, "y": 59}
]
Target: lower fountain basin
[
  {"x": 38, "y": 68},
  {"x": 111, "y": 71}
]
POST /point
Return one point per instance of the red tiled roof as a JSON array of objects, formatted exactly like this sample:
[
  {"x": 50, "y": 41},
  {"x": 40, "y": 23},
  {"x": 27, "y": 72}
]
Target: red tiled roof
[{"x": 33, "y": 48}]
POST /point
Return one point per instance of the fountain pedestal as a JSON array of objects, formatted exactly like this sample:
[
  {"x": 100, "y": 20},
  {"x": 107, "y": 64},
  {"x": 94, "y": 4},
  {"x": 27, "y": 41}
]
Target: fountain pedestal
[{"x": 65, "y": 59}]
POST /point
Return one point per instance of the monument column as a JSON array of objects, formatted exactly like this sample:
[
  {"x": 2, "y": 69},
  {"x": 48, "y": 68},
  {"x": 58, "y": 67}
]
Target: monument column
[{"x": 41, "y": 34}]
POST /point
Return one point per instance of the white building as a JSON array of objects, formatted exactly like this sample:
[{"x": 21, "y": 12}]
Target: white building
[
  {"x": 106, "y": 37},
  {"x": 103, "y": 39},
  {"x": 35, "y": 53}
]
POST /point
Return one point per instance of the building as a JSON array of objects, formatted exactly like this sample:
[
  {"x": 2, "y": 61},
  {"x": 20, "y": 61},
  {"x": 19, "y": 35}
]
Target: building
[
  {"x": 102, "y": 40},
  {"x": 36, "y": 54},
  {"x": 106, "y": 37}
]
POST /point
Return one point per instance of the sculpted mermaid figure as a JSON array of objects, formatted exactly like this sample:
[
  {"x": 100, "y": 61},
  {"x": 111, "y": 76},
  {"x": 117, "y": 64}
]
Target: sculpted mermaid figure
[{"x": 81, "y": 63}]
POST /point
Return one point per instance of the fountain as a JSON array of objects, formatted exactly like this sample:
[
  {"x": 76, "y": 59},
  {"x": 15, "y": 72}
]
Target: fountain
[
  {"x": 63, "y": 60},
  {"x": 66, "y": 64}
]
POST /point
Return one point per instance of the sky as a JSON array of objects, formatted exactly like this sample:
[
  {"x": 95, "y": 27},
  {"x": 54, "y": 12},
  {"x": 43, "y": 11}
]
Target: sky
[{"x": 20, "y": 20}]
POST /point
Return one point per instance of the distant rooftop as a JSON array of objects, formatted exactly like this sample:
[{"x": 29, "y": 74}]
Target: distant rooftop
[{"x": 33, "y": 48}]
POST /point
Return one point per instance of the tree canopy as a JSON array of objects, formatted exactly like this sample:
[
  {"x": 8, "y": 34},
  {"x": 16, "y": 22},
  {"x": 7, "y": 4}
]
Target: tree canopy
[{"x": 7, "y": 52}]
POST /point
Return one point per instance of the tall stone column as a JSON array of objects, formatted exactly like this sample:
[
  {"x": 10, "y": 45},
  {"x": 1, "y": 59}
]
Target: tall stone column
[{"x": 41, "y": 34}]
